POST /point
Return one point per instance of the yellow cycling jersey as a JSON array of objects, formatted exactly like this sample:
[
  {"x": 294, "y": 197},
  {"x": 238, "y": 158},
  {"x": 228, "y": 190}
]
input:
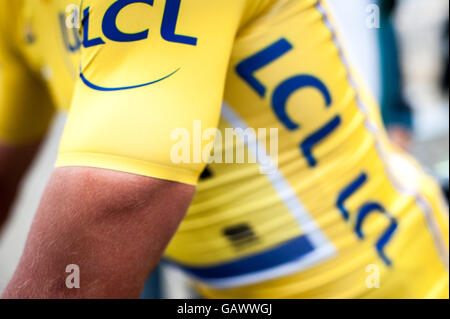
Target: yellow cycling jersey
[{"x": 341, "y": 214}]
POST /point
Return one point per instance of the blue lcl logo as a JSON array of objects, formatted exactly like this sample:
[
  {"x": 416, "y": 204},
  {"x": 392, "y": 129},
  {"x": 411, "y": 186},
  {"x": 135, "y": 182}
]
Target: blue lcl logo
[{"x": 112, "y": 32}]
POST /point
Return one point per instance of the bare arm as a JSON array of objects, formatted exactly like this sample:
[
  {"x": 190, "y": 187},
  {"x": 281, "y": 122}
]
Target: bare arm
[
  {"x": 14, "y": 162},
  {"x": 113, "y": 225}
]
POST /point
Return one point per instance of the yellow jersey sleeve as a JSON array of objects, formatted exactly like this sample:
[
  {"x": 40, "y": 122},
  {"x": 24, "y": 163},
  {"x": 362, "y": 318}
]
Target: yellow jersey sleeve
[
  {"x": 149, "y": 71},
  {"x": 25, "y": 104}
]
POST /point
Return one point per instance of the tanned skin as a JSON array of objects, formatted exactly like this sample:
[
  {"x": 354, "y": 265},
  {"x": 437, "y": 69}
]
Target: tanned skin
[
  {"x": 14, "y": 163},
  {"x": 113, "y": 225}
]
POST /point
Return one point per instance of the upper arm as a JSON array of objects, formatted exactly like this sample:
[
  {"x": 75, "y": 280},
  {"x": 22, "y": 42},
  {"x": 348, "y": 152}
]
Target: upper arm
[
  {"x": 147, "y": 71},
  {"x": 26, "y": 107},
  {"x": 113, "y": 226}
]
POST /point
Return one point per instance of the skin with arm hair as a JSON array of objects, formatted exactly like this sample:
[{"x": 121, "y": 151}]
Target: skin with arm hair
[{"x": 113, "y": 225}]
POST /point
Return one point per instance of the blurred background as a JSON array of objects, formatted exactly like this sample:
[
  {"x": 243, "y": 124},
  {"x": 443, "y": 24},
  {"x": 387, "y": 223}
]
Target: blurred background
[{"x": 404, "y": 62}]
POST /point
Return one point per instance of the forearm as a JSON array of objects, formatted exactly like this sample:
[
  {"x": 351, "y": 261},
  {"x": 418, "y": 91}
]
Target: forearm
[{"x": 114, "y": 231}]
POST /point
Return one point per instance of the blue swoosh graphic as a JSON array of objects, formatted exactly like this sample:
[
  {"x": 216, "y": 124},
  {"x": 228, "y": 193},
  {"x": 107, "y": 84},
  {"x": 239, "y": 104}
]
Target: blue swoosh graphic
[{"x": 99, "y": 88}]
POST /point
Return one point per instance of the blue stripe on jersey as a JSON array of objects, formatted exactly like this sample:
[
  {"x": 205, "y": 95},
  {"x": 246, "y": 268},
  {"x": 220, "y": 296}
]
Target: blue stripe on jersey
[{"x": 290, "y": 251}]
